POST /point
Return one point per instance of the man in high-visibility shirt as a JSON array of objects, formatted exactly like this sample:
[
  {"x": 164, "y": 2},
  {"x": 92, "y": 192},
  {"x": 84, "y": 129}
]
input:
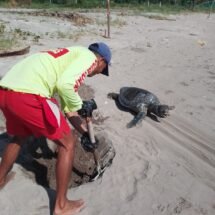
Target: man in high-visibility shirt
[{"x": 26, "y": 99}]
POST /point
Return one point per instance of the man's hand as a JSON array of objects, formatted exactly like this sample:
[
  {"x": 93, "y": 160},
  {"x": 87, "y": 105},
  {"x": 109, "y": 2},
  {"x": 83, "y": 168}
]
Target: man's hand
[
  {"x": 87, "y": 108},
  {"x": 77, "y": 122},
  {"x": 87, "y": 144}
]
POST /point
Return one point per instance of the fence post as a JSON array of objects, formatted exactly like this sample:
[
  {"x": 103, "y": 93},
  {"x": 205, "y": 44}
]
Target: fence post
[{"x": 108, "y": 18}]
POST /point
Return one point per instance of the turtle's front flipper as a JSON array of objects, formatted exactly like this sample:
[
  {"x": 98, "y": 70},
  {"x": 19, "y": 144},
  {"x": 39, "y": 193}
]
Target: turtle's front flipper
[{"x": 137, "y": 119}]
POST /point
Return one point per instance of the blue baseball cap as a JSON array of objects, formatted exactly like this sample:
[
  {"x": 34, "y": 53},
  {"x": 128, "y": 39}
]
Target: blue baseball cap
[{"x": 104, "y": 51}]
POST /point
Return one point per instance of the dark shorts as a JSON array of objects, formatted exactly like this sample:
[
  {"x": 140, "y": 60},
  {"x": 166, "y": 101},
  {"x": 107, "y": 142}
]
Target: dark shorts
[{"x": 32, "y": 115}]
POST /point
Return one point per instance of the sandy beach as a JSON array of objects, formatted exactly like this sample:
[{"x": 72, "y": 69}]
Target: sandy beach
[{"x": 160, "y": 168}]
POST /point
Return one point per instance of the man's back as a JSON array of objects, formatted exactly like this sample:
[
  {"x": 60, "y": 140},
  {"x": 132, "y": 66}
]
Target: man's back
[{"x": 45, "y": 73}]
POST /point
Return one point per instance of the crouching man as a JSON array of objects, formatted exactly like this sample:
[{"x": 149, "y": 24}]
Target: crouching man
[{"x": 26, "y": 99}]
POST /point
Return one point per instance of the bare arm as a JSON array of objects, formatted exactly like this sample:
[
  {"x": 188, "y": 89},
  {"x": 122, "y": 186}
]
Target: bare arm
[{"x": 77, "y": 122}]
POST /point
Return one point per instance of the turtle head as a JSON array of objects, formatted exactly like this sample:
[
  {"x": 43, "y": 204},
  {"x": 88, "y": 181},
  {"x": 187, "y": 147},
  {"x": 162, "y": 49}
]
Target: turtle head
[{"x": 163, "y": 110}]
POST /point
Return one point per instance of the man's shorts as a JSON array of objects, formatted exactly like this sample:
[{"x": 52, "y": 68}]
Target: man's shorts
[{"x": 32, "y": 115}]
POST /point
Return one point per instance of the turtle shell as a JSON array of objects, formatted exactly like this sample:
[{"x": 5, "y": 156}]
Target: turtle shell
[{"x": 133, "y": 98}]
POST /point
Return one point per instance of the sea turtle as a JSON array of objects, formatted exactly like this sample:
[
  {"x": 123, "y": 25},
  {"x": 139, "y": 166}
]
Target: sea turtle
[{"x": 141, "y": 102}]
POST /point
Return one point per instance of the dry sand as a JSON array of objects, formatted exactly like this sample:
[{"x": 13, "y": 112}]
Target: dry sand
[{"x": 160, "y": 168}]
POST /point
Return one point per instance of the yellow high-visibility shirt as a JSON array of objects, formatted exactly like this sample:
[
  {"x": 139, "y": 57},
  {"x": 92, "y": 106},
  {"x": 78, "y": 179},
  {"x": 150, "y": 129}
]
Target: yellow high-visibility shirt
[{"x": 59, "y": 71}]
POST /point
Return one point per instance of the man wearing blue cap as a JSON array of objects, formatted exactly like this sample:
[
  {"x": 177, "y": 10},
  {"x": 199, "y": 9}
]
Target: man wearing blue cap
[{"x": 26, "y": 99}]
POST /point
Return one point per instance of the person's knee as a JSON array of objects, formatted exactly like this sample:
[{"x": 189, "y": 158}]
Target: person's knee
[{"x": 67, "y": 141}]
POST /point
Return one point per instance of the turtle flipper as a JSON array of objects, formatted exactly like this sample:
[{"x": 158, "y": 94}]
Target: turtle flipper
[
  {"x": 113, "y": 96},
  {"x": 137, "y": 119}
]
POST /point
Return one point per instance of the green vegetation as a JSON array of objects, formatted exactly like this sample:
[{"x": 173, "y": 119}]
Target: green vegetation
[
  {"x": 166, "y": 6},
  {"x": 10, "y": 39},
  {"x": 24, "y": 35},
  {"x": 6, "y": 44}
]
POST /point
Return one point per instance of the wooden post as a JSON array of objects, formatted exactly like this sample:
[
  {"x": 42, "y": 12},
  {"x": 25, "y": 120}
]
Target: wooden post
[
  {"x": 211, "y": 7},
  {"x": 108, "y": 19}
]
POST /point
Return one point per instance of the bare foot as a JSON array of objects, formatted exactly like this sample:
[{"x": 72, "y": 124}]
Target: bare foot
[
  {"x": 71, "y": 208},
  {"x": 8, "y": 178}
]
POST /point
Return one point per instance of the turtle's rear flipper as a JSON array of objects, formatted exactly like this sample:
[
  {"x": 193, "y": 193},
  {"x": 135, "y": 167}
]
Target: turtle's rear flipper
[
  {"x": 137, "y": 119},
  {"x": 113, "y": 96}
]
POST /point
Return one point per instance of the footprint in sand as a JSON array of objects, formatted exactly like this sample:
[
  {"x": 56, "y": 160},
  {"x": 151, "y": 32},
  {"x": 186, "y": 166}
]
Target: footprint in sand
[
  {"x": 181, "y": 205},
  {"x": 177, "y": 207},
  {"x": 151, "y": 148}
]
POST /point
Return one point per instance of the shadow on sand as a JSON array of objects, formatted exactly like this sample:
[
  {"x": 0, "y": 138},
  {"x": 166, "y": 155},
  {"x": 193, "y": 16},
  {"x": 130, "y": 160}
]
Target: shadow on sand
[{"x": 27, "y": 160}]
